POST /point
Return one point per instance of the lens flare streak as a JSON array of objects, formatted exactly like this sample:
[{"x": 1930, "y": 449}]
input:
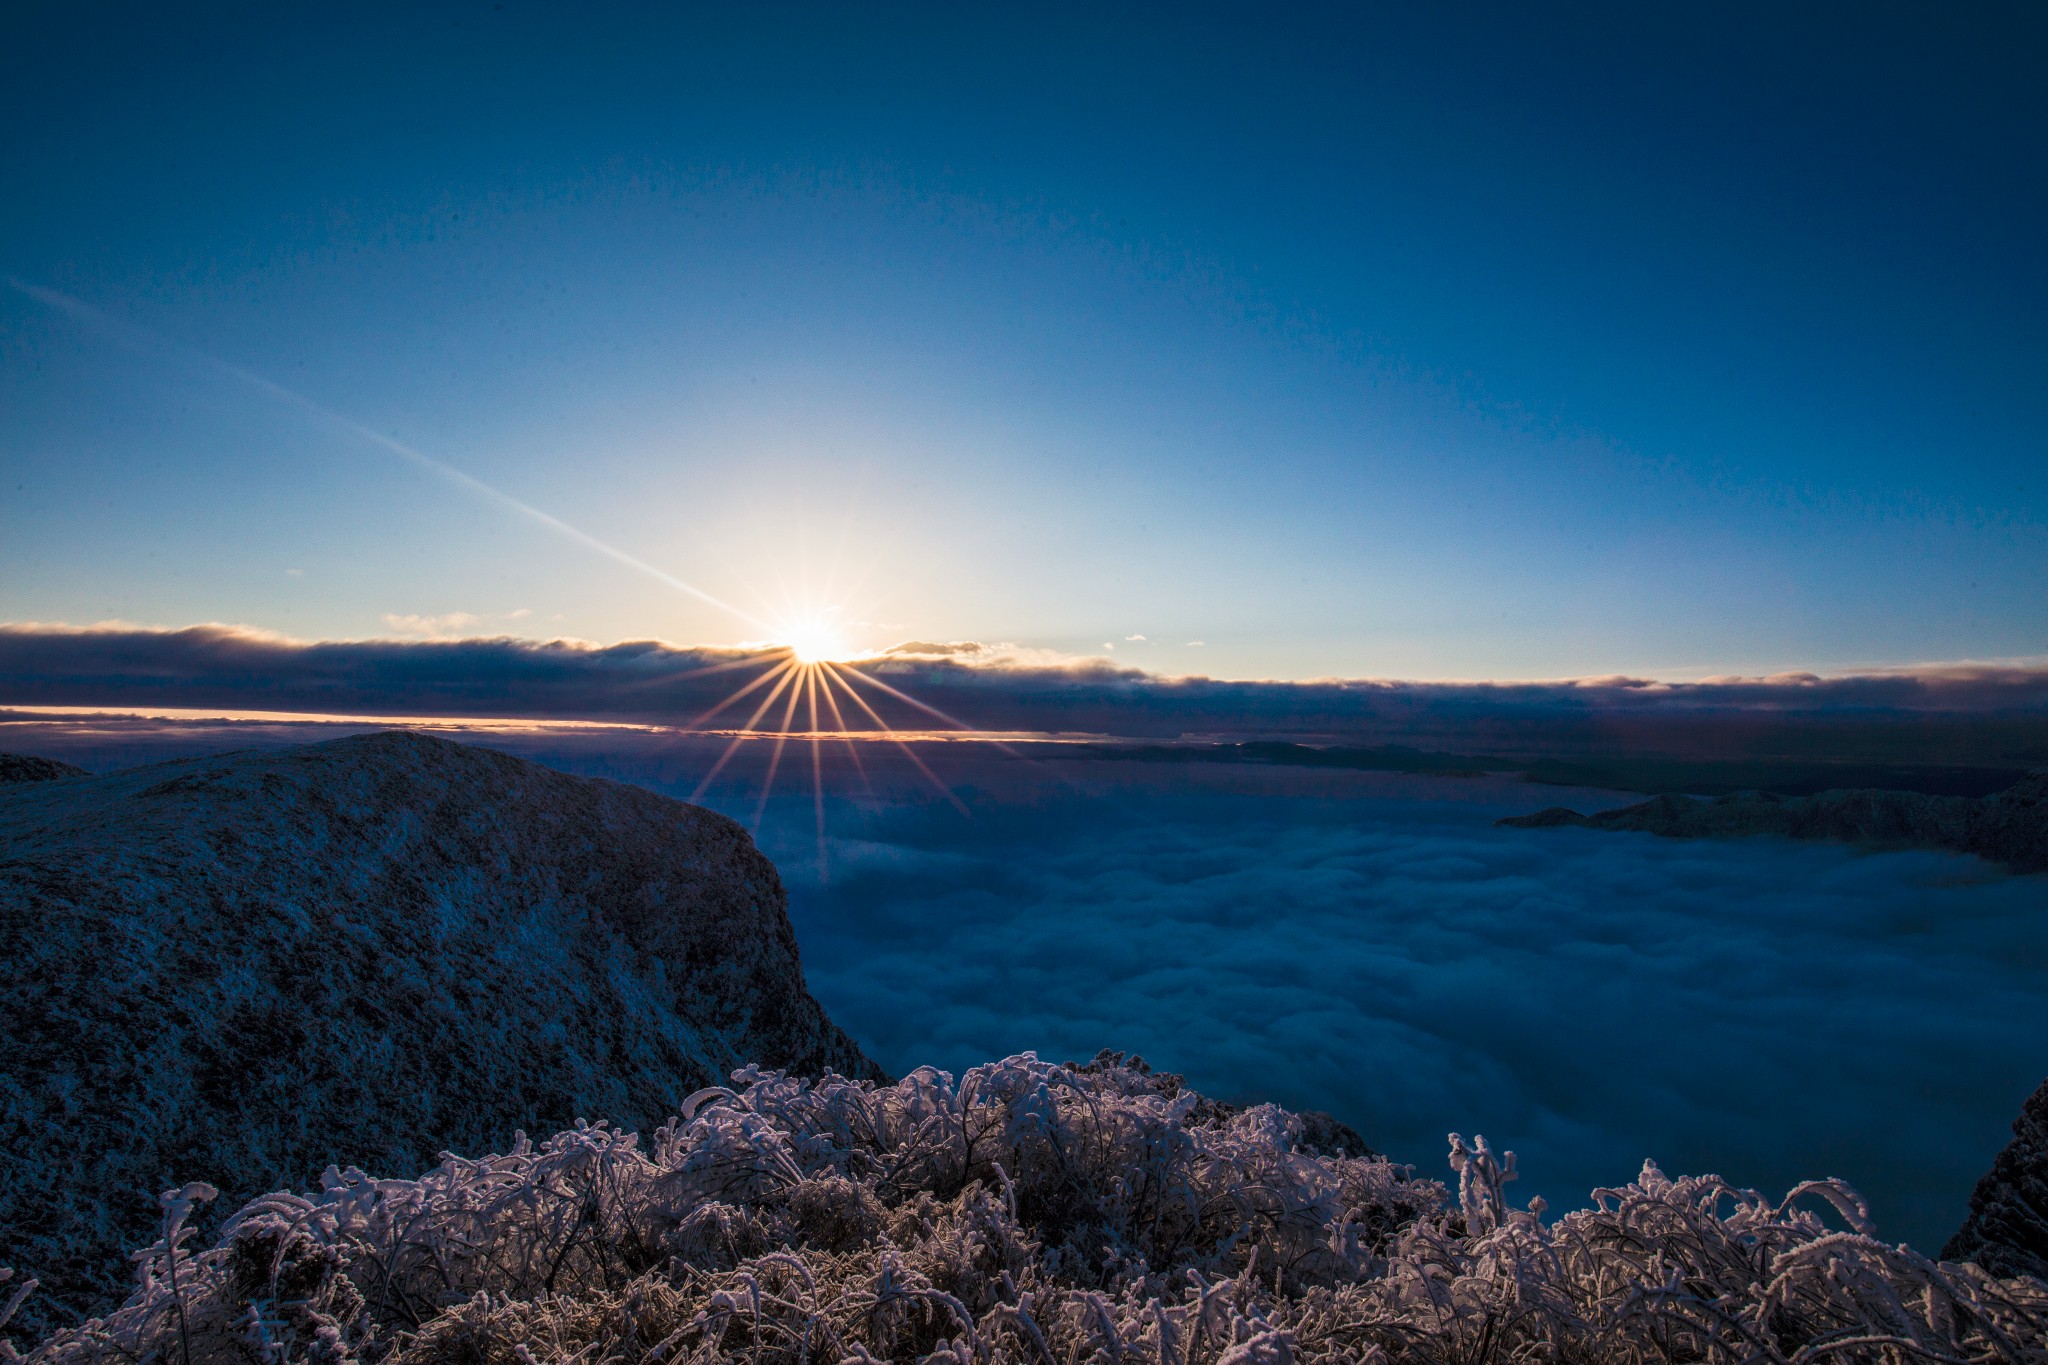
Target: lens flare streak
[{"x": 794, "y": 677}]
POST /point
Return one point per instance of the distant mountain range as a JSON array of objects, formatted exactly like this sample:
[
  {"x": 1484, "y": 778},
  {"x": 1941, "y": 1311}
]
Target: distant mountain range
[
  {"x": 2010, "y": 827},
  {"x": 243, "y": 968},
  {"x": 1616, "y": 766}
]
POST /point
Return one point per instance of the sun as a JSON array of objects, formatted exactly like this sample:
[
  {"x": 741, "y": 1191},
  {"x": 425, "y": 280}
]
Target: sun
[
  {"x": 814, "y": 642},
  {"x": 810, "y": 672}
]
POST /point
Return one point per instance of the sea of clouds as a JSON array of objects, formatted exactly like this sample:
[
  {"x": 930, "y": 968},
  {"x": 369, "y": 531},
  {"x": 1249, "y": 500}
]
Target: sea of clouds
[{"x": 1373, "y": 945}]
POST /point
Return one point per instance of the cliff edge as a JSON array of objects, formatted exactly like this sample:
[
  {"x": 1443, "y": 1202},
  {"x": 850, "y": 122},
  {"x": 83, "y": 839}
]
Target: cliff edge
[
  {"x": 243, "y": 968},
  {"x": 2007, "y": 1230}
]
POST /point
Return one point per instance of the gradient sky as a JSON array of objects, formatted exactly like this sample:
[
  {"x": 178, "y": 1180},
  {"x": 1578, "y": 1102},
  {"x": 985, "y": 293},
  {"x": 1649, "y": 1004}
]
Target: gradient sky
[{"x": 1375, "y": 341}]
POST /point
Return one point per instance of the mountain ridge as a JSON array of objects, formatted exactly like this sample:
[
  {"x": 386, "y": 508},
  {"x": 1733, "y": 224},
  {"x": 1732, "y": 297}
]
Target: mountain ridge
[
  {"x": 28, "y": 768},
  {"x": 2009, "y": 827},
  {"x": 242, "y": 968}
]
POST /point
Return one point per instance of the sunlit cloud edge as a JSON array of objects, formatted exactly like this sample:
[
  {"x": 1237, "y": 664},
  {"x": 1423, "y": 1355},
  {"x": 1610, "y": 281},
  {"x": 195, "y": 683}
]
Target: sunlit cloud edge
[{"x": 1004, "y": 688}]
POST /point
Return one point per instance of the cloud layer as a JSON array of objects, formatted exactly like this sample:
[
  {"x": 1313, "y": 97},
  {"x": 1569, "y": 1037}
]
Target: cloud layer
[
  {"x": 982, "y": 686},
  {"x": 1766, "y": 1010}
]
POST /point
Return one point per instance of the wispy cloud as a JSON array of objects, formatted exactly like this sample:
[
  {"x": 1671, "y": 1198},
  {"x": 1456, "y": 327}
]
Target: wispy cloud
[
  {"x": 452, "y": 625},
  {"x": 449, "y": 625},
  {"x": 979, "y": 654}
]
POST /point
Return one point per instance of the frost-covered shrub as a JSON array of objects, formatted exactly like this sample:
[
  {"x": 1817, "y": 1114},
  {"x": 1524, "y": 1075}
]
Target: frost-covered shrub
[{"x": 1035, "y": 1213}]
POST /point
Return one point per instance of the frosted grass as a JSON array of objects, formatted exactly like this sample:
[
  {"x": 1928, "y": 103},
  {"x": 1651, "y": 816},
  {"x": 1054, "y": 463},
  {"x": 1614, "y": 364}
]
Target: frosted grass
[{"x": 1029, "y": 1213}]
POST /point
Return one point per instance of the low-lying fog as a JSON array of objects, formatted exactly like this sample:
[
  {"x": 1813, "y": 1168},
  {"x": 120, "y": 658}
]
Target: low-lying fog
[{"x": 1372, "y": 945}]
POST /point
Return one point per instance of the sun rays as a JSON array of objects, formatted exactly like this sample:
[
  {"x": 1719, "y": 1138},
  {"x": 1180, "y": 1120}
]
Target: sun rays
[
  {"x": 806, "y": 680},
  {"x": 805, "y": 688}
]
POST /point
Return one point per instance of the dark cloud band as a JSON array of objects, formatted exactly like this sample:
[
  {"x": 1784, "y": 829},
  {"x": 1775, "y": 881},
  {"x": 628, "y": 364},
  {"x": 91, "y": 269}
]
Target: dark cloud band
[{"x": 653, "y": 682}]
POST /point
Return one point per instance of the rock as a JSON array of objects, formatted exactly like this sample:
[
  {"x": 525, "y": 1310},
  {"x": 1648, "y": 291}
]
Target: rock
[
  {"x": 1550, "y": 817},
  {"x": 2010, "y": 827},
  {"x": 2007, "y": 1230},
  {"x": 26, "y": 768},
  {"x": 241, "y": 969}
]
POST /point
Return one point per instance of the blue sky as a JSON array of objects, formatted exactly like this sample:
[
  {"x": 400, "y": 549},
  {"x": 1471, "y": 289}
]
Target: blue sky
[{"x": 1363, "y": 342}]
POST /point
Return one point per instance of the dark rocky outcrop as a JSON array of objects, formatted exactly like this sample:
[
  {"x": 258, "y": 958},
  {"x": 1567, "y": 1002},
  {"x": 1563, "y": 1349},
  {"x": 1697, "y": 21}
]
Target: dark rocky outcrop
[
  {"x": 2010, "y": 827},
  {"x": 2007, "y": 1230},
  {"x": 240, "y": 969},
  {"x": 27, "y": 768}
]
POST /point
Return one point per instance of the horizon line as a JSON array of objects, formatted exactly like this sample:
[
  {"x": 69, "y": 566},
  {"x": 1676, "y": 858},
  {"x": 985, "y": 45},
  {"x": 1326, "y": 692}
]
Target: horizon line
[{"x": 1000, "y": 656}]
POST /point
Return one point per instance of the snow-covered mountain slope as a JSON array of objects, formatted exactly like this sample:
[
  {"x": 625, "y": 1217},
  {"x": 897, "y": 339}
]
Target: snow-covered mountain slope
[{"x": 240, "y": 969}]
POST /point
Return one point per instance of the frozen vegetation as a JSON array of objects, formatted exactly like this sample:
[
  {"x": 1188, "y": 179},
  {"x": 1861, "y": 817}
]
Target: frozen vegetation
[{"x": 1028, "y": 1212}]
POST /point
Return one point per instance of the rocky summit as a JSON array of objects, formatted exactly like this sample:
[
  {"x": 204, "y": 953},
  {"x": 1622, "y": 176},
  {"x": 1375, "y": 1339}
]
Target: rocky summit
[
  {"x": 24, "y": 768},
  {"x": 242, "y": 969}
]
